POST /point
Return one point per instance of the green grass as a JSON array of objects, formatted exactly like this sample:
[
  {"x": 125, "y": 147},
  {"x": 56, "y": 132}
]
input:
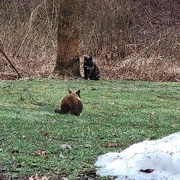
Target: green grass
[{"x": 122, "y": 112}]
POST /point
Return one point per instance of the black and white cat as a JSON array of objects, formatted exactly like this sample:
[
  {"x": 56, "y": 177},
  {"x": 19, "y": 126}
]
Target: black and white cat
[{"x": 91, "y": 70}]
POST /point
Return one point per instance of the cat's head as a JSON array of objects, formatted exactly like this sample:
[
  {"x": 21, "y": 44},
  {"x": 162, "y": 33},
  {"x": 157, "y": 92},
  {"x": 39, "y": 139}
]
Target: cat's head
[{"x": 88, "y": 61}]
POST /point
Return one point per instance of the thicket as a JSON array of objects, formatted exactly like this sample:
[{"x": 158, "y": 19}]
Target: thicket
[{"x": 128, "y": 39}]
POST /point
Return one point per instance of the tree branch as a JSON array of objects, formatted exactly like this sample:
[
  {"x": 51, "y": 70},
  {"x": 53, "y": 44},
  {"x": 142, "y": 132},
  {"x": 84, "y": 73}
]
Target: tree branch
[{"x": 19, "y": 76}]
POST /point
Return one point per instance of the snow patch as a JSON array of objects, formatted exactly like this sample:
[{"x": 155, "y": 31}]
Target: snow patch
[{"x": 161, "y": 157}]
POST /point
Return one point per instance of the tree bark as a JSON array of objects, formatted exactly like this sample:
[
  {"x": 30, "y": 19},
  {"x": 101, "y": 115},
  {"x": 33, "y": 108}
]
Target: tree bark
[{"x": 67, "y": 62}]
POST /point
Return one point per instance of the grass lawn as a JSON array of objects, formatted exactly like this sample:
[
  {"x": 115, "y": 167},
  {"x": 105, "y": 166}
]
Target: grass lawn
[{"x": 116, "y": 114}]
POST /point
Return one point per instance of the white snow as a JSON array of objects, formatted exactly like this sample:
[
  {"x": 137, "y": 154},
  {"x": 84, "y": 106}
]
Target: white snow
[{"x": 161, "y": 156}]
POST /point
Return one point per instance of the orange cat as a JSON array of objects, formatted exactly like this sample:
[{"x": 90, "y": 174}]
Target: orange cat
[{"x": 71, "y": 104}]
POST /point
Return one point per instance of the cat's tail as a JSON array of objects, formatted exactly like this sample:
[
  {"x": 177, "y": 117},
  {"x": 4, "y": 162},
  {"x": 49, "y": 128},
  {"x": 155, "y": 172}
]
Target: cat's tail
[{"x": 58, "y": 111}]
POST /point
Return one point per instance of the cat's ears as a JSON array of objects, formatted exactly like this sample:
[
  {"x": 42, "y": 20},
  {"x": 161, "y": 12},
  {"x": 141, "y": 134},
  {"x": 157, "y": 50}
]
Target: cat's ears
[
  {"x": 78, "y": 92},
  {"x": 88, "y": 57}
]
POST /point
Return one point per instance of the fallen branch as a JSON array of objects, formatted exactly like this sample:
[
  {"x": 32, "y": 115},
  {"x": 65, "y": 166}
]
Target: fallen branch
[
  {"x": 19, "y": 76},
  {"x": 32, "y": 98}
]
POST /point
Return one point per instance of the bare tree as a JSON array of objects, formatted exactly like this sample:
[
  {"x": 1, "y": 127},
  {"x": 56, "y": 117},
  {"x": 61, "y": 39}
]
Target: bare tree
[{"x": 67, "y": 63}]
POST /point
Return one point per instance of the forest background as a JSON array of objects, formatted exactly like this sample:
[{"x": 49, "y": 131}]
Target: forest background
[{"x": 128, "y": 39}]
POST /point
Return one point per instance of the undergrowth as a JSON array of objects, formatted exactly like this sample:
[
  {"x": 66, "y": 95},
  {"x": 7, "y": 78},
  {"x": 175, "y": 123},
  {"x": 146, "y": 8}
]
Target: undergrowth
[{"x": 128, "y": 39}]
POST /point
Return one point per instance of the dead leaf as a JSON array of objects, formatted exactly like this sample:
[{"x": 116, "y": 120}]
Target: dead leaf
[
  {"x": 36, "y": 177},
  {"x": 87, "y": 146},
  {"x": 65, "y": 146},
  {"x": 64, "y": 178},
  {"x": 61, "y": 156},
  {"x": 46, "y": 134},
  {"x": 109, "y": 145},
  {"x": 153, "y": 113},
  {"x": 173, "y": 125},
  {"x": 46, "y": 157},
  {"x": 14, "y": 151},
  {"x": 146, "y": 170},
  {"x": 93, "y": 89},
  {"x": 40, "y": 152}
]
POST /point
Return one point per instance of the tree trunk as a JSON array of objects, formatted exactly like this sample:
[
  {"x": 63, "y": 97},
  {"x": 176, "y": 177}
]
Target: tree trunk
[{"x": 67, "y": 62}]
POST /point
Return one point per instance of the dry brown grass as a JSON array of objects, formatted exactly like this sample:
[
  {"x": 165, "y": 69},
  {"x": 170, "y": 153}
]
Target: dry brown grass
[
  {"x": 128, "y": 39},
  {"x": 149, "y": 69},
  {"x": 28, "y": 31}
]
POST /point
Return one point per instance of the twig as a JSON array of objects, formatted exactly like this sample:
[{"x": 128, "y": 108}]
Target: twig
[
  {"x": 33, "y": 100},
  {"x": 19, "y": 76},
  {"x": 8, "y": 86}
]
